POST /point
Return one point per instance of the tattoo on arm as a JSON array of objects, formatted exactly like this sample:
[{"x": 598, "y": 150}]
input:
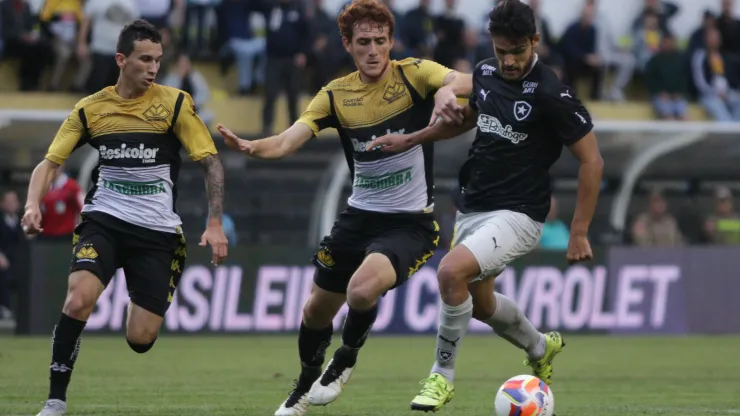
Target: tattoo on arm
[{"x": 214, "y": 185}]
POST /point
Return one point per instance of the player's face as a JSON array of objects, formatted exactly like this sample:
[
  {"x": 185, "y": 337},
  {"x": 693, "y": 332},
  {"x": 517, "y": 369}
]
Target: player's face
[
  {"x": 514, "y": 57},
  {"x": 370, "y": 48},
  {"x": 140, "y": 68}
]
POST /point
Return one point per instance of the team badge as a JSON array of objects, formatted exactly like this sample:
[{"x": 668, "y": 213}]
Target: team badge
[{"x": 522, "y": 110}]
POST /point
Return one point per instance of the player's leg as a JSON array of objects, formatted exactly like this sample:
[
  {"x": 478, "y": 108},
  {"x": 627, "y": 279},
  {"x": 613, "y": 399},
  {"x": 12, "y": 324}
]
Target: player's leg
[
  {"x": 94, "y": 262},
  {"x": 393, "y": 256},
  {"x": 314, "y": 338},
  {"x": 153, "y": 266}
]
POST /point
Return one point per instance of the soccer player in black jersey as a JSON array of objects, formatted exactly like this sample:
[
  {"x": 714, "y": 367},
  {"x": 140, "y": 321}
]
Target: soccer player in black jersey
[
  {"x": 388, "y": 231},
  {"x": 524, "y": 117}
]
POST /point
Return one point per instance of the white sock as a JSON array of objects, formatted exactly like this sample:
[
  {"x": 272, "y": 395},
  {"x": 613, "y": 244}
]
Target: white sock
[
  {"x": 453, "y": 323},
  {"x": 509, "y": 322}
]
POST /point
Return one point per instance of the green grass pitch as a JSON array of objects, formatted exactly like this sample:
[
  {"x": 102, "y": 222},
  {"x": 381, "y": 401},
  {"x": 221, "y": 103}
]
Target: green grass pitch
[{"x": 249, "y": 375}]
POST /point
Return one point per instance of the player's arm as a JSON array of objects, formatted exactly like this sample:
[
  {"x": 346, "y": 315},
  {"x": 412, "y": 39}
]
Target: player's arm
[
  {"x": 569, "y": 121},
  {"x": 586, "y": 150},
  {"x": 65, "y": 142},
  {"x": 430, "y": 77},
  {"x": 396, "y": 143},
  {"x": 317, "y": 117}
]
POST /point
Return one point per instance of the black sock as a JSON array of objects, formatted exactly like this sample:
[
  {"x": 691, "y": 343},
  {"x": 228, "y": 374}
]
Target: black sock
[
  {"x": 65, "y": 347},
  {"x": 357, "y": 327},
  {"x": 312, "y": 345}
]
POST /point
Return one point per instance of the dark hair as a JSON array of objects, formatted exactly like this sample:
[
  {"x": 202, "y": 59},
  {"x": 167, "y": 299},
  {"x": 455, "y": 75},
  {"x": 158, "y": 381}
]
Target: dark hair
[
  {"x": 137, "y": 30},
  {"x": 365, "y": 10},
  {"x": 513, "y": 20}
]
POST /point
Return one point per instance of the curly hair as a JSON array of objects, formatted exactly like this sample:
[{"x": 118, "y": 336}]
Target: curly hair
[
  {"x": 512, "y": 19},
  {"x": 368, "y": 11}
]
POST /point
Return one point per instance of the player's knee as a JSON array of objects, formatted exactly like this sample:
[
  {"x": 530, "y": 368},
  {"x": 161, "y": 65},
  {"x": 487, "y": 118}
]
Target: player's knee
[
  {"x": 81, "y": 298},
  {"x": 141, "y": 347},
  {"x": 361, "y": 297}
]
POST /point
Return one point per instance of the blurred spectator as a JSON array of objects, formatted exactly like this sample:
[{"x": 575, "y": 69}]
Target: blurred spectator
[
  {"x": 194, "y": 39},
  {"x": 664, "y": 10},
  {"x": 183, "y": 76},
  {"x": 61, "y": 207},
  {"x": 729, "y": 28},
  {"x": 103, "y": 21},
  {"x": 288, "y": 41},
  {"x": 157, "y": 12},
  {"x": 723, "y": 227},
  {"x": 450, "y": 31},
  {"x": 60, "y": 21},
  {"x": 322, "y": 58},
  {"x": 667, "y": 78},
  {"x": 696, "y": 41},
  {"x": 22, "y": 39},
  {"x": 717, "y": 78},
  {"x": 555, "y": 233},
  {"x": 612, "y": 55},
  {"x": 547, "y": 50},
  {"x": 578, "y": 44},
  {"x": 647, "y": 39},
  {"x": 656, "y": 227},
  {"x": 11, "y": 235},
  {"x": 241, "y": 40},
  {"x": 417, "y": 32}
]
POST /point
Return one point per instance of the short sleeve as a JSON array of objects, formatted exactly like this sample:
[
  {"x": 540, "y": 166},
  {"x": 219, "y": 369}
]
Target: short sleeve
[
  {"x": 67, "y": 138},
  {"x": 426, "y": 76},
  {"x": 192, "y": 132},
  {"x": 318, "y": 116},
  {"x": 568, "y": 118}
]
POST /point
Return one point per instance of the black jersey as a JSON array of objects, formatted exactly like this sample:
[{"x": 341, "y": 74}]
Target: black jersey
[{"x": 522, "y": 127}]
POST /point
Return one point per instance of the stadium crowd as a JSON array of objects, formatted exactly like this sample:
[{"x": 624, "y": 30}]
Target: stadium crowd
[{"x": 291, "y": 46}]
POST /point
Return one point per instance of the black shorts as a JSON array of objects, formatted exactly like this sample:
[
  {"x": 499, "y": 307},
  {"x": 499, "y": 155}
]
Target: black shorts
[
  {"x": 151, "y": 260},
  {"x": 408, "y": 240}
]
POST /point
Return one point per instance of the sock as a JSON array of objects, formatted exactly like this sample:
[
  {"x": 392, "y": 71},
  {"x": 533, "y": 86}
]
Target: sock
[
  {"x": 312, "y": 345},
  {"x": 65, "y": 341},
  {"x": 509, "y": 322},
  {"x": 356, "y": 329},
  {"x": 453, "y": 324}
]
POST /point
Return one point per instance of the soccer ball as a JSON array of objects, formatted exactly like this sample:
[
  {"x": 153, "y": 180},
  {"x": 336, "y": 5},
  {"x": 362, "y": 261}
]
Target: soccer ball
[{"x": 524, "y": 395}]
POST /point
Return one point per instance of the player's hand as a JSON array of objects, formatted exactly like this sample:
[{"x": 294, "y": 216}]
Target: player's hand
[
  {"x": 447, "y": 108},
  {"x": 31, "y": 221},
  {"x": 392, "y": 143},
  {"x": 579, "y": 249},
  {"x": 215, "y": 237},
  {"x": 234, "y": 142}
]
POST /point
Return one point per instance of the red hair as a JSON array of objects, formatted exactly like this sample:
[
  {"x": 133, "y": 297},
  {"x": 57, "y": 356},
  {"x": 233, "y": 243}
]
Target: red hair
[{"x": 368, "y": 11}]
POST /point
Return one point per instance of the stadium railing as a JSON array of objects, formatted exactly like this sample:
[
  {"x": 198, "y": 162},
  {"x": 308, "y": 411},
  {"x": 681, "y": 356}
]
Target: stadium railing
[{"x": 628, "y": 148}]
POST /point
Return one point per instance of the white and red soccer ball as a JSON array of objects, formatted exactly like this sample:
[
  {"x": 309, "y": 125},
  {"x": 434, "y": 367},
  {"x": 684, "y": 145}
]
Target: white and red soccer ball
[{"x": 524, "y": 395}]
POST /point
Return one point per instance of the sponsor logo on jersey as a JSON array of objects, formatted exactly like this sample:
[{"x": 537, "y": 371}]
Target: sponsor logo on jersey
[
  {"x": 145, "y": 154},
  {"x": 135, "y": 188},
  {"x": 389, "y": 180},
  {"x": 488, "y": 70},
  {"x": 360, "y": 147},
  {"x": 352, "y": 102},
  {"x": 490, "y": 124},
  {"x": 529, "y": 87}
]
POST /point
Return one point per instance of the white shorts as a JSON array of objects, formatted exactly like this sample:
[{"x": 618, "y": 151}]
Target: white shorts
[{"x": 496, "y": 238}]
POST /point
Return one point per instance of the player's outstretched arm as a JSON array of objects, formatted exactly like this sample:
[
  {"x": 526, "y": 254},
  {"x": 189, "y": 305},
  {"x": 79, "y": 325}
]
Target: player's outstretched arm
[
  {"x": 586, "y": 150},
  {"x": 446, "y": 107},
  {"x": 396, "y": 143},
  {"x": 41, "y": 179},
  {"x": 274, "y": 147}
]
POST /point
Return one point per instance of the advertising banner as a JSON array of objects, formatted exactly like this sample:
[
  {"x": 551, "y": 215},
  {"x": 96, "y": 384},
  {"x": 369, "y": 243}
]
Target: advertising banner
[{"x": 263, "y": 290}]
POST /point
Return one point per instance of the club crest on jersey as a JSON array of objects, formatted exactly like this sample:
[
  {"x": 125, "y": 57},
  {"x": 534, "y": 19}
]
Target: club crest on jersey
[
  {"x": 522, "y": 110},
  {"x": 157, "y": 112},
  {"x": 394, "y": 92}
]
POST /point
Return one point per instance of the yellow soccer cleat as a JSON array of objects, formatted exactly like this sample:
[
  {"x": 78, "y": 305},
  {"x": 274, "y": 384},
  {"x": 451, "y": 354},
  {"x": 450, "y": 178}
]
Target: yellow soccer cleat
[
  {"x": 542, "y": 368},
  {"x": 435, "y": 393}
]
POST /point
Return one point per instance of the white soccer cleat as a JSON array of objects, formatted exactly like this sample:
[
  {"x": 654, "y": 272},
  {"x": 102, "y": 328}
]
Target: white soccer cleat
[
  {"x": 53, "y": 407},
  {"x": 329, "y": 386},
  {"x": 297, "y": 402}
]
